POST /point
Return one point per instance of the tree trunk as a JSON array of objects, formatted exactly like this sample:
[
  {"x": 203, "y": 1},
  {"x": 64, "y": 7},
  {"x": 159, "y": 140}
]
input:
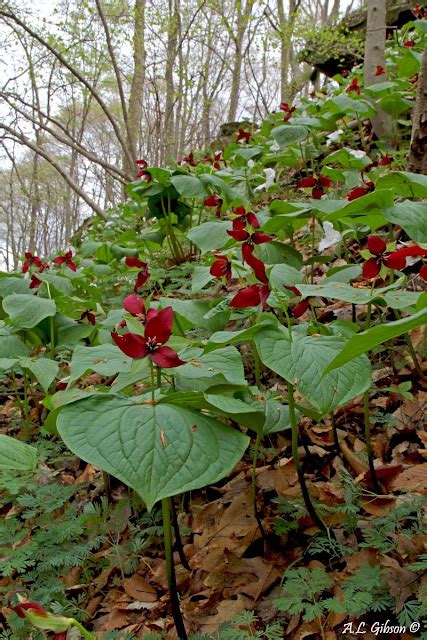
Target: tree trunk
[
  {"x": 374, "y": 55},
  {"x": 242, "y": 23},
  {"x": 138, "y": 80},
  {"x": 418, "y": 150},
  {"x": 169, "y": 127}
]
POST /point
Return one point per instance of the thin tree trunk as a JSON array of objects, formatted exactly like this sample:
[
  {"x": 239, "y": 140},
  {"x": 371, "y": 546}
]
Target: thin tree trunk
[
  {"x": 138, "y": 81},
  {"x": 375, "y": 55},
  {"x": 243, "y": 19},
  {"x": 418, "y": 149},
  {"x": 170, "y": 88}
]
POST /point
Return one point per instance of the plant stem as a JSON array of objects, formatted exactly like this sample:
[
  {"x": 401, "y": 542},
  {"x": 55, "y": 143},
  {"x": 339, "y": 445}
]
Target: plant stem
[
  {"x": 82, "y": 630},
  {"x": 253, "y": 486},
  {"x": 178, "y": 539},
  {"x": 170, "y": 570},
  {"x": 335, "y": 434},
  {"x": 107, "y": 485},
  {"x": 26, "y": 407},
  {"x": 257, "y": 366},
  {"x": 305, "y": 494},
  {"x": 374, "y": 479}
]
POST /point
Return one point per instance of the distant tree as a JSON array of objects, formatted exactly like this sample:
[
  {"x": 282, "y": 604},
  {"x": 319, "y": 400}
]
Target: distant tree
[{"x": 418, "y": 149}]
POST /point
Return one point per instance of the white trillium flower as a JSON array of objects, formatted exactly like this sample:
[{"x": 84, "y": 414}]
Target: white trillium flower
[
  {"x": 251, "y": 164},
  {"x": 333, "y": 137},
  {"x": 357, "y": 153},
  {"x": 331, "y": 236},
  {"x": 275, "y": 146},
  {"x": 270, "y": 174}
]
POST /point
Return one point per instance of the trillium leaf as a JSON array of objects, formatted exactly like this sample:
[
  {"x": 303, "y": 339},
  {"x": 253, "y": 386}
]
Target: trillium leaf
[
  {"x": 12, "y": 346},
  {"x": 27, "y": 310},
  {"x": 367, "y": 340},
  {"x": 189, "y": 186},
  {"x": 210, "y": 236},
  {"x": 106, "y": 360},
  {"x": 16, "y": 455},
  {"x": 302, "y": 362},
  {"x": 12, "y": 284},
  {"x": 217, "y": 367},
  {"x": 158, "y": 450},
  {"x": 412, "y": 217},
  {"x": 404, "y": 183},
  {"x": 286, "y": 135},
  {"x": 43, "y": 369}
]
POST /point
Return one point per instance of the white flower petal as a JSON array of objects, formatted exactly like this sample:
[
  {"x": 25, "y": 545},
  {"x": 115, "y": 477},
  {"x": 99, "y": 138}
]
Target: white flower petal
[{"x": 330, "y": 238}]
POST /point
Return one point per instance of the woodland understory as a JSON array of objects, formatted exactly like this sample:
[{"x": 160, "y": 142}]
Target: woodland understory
[{"x": 213, "y": 390}]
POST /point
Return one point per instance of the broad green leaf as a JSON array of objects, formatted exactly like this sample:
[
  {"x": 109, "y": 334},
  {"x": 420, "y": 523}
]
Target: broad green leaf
[
  {"x": 284, "y": 274},
  {"x": 73, "y": 333},
  {"x": 220, "y": 186},
  {"x": 412, "y": 217},
  {"x": 395, "y": 105},
  {"x": 344, "y": 104},
  {"x": 404, "y": 183},
  {"x": 106, "y": 360},
  {"x": 12, "y": 346},
  {"x": 12, "y": 284},
  {"x": 189, "y": 186},
  {"x": 236, "y": 337},
  {"x": 367, "y": 340},
  {"x": 286, "y": 135},
  {"x": 158, "y": 450},
  {"x": 277, "y": 417},
  {"x": 193, "y": 313},
  {"x": 200, "y": 278},
  {"x": 43, "y": 369},
  {"x": 210, "y": 236},
  {"x": 209, "y": 369},
  {"x": 248, "y": 152},
  {"x": 278, "y": 253},
  {"x": 61, "y": 284},
  {"x": 27, "y": 310},
  {"x": 16, "y": 455},
  {"x": 302, "y": 362}
]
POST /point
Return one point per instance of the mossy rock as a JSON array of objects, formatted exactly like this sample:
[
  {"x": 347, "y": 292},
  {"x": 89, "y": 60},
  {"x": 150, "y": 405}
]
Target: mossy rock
[
  {"x": 227, "y": 133},
  {"x": 338, "y": 48}
]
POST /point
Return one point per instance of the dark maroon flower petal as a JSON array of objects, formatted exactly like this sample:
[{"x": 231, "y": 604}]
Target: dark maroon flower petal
[
  {"x": 239, "y": 234},
  {"x": 384, "y": 161},
  {"x": 379, "y": 70},
  {"x": 141, "y": 279},
  {"x": 371, "y": 268},
  {"x": 294, "y": 290},
  {"x": 26, "y": 266},
  {"x": 248, "y": 297},
  {"x": 59, "y": 260},
  {"x": 159, "y": 326},
  {"x": 29, "y": 606},
  {"x": 253, "y": 220},
  {"x": 247, "y": 251},
  {"x": 409, "y": 43},
  {"x": 395, "y": 260},
  {"x": 376, "y": 245},
  {"x": 299, "y": 309},
  {"x": 325, "y": 181},
  {"x": 305, "y": 183},
  {"x": 135, "y": 262},
  {"x": 62, "y": 635},
  {"x": 317, "y": 193},
  {"x": 71, "y": 265},
  {"x": 423, "y": 272},
  {"x": 221, "y": 267},
  {"x": 239, "y": 211},
  {"x": 34, "y": 282},
  {"x": 166, "y": 358},
  {"x": 260, "y": 238},
  {"x": 131, "y": 344},
  {"x": 258, "y": 267},
  {"x": 68, "y": 255},
  {"x": 413, "y": 250},
  {"x": 28, "y": 255},
  {"x": 357, "y": 192},
  {"x": 239, "y": 223},
  {"x": 134, "y": 305}
]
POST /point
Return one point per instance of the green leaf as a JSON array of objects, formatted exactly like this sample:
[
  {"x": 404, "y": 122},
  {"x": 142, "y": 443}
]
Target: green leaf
[
  {"x": 395, "y": 105},
  {"x": 344, "y": 104},
  {"x": 16, "y": 455},
  {"x": 221, "y": 187},
  {"x": 61, "y": 284},
  {"x": 106, "y": 360},
  {"x": 43, "y": 369},
  {"x": 404, "y": 183},
  {"x": 209, "y": 369},
  {"x": 27, "y": 310},
  {"x": 195, "y": 313},
  {"x": 210, "y": 236},
  {"x": 367, "y": 340},
  {"x": 412, "y": 217},
  {"x": 73, "y": 333},
  {"x": 284, "y": 274},
  {"x": 189, "y": 186},
  {"x": 12, "y": 346},
  {"x": 286, "y": 135},
  {"x": 200, "y": 278},
  {"x": 11, "y": 284},
  {"x": 303, "y": 361},
  {"x": 159, "y": 451}
]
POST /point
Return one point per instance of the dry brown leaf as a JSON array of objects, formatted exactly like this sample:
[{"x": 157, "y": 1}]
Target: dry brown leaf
[
  {"x": 353, "y": 460},
  {"x": 139, "y": 589},
  {"x": 414, "y": 479},
  {"x": 226, "y": 610},
  {"x": 402, "y": 582}
]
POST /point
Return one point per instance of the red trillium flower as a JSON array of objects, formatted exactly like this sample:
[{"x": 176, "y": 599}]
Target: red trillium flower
[
  {"x": 135, "y": 306},
  {"x": 158, "y": 329},
  {"x": 354, "y": 86},
  {"x": 244, "y": 218},
  {"x": 249, "y": 240},
  {"x": 214, "y": 201},
  {"x": 29, "y": 606},
  {"x": 142, "y": 276},
  {"x": 384, "y": 161},
  {"x": 66, "y": 258},
  {"x": 317, "y": 183},
  {"x": 89, "y": 316},
  {"x": 258, "y": 266},
  {"x": 377, "y": 247},
  {"x": 142, "y": 170},
  {"x": 30, "y": 260},
  {"x": 215, "y": 161},
  {"x": 135, "y": 262},
  {"x": 244, "y": 135},
  {"x": 284, "y": 106},
  {"x": 409, "y": 43},
  {"x": 379, "y": 70},
  {"x": 358, "y": 192},
  {"x": 221, "y": 267},
  {"x": 43, "y": 620},
  {"x": 189, "y": 159},
  {"x": 35, "y": 282},
  {"x": 251, "y": 296},
  {"x": 419, "y": 12},
  {"x": 301, "y": 307}
]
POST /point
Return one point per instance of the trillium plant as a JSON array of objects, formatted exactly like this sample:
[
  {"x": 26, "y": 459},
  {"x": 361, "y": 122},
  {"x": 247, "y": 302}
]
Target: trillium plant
[{"x": 229, "y": 315}]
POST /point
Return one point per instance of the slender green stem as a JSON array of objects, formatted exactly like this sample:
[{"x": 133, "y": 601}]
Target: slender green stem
[
  {"x": 374, "y": 479},
  {"x": 52, "y": 337},
  {"x": 335, "y": 433},
  {"x": 305, "y": 494},
  {"x": 414, "y": 356},
  {"x": 253, "y": 485},
  {"x": 170, "y": 570},
  {"x": 107, "y": 485},
  {"x": 153, "y": 384},
  {"x": 313, "y": 240},
  {"x": 26, "y": 406},
  {"x": 257, "y": 366},
  {"x": 82, "y": 630}
]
